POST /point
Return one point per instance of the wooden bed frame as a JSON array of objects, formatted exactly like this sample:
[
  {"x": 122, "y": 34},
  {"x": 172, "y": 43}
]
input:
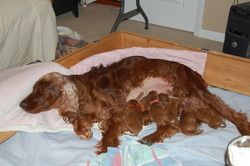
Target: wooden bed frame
[{"x": 222, "y": 70}]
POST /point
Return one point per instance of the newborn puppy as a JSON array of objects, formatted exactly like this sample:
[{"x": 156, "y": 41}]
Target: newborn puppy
[
  {"x": 147, "y": 100},
  {"x": 157, "y": 109},
  {"x": 162, "y": 112},
  {"x": 171, "y": 105},
  {"x": 188, "y": 123},
  {"x": 134, "y": 117}
]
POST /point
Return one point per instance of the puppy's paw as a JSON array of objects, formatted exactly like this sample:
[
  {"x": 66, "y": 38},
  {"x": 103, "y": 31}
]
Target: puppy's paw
[
  {"x": 145, "y": 142},
  {"x": 150, "y": 139}
]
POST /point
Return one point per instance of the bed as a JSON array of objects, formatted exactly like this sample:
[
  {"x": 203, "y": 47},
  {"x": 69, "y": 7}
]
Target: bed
[
  {"x": 230, "y": 81},
  {"x": 27, "y": 32}
]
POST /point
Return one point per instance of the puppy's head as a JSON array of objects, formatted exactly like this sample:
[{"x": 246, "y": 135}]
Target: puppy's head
[
  {"x": 134, "y": 117},
  {"x": 46, "y": 91}
]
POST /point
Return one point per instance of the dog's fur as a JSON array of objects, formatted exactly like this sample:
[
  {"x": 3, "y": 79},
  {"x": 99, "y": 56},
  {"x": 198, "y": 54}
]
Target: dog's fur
[{"x": 100, "y": 96}]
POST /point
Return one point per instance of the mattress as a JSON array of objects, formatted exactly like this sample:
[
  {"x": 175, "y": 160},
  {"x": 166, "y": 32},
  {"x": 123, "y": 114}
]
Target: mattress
[{"x": 27, "y": 32}]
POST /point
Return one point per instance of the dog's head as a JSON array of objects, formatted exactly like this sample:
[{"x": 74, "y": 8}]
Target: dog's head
[{"x": 46, "y": 91}]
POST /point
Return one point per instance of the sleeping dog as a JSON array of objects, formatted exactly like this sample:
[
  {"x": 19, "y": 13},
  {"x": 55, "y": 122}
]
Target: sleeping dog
[{"x": 100, "y": 96}]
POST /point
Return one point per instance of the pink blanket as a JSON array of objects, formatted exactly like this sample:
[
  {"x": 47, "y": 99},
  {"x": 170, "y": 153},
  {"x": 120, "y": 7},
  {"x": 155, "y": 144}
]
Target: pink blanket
[{"x": 192, "y": 59}]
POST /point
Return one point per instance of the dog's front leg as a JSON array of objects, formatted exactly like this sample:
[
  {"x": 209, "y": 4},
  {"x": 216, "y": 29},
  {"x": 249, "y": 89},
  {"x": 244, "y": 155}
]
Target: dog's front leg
[
  {"x": 82, "y": 125},
  {"x": 114, "y": 127}
]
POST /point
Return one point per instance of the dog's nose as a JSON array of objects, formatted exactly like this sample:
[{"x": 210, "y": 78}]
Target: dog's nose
[{"x": 23, "y": 105}]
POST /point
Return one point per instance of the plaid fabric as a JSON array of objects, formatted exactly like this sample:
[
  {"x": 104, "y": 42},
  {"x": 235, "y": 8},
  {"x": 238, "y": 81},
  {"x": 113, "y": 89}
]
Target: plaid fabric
[{"x": 67, "y": 45}]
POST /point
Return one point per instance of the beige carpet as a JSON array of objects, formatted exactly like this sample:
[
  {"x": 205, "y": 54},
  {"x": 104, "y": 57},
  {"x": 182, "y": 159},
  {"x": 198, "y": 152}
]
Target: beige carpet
[{"x": 96, "y": 21}]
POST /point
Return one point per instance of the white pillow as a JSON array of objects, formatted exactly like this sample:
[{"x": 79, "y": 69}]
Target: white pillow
[{"x": 15, "y": 85}]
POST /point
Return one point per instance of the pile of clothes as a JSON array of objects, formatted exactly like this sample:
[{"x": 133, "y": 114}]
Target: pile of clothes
[{"x": 68, "y": 42}]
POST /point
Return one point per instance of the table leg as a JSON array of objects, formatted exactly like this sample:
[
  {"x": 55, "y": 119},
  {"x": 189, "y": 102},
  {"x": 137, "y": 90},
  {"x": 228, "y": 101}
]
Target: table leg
[{"x": 124, "y": 16}]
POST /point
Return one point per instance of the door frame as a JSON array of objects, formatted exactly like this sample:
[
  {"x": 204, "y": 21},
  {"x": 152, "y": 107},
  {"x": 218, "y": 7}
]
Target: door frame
[{"x": 203, "y": 33}]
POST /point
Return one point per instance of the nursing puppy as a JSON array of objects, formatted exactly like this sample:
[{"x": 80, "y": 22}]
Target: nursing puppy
[{"x": 100, "y": 96}]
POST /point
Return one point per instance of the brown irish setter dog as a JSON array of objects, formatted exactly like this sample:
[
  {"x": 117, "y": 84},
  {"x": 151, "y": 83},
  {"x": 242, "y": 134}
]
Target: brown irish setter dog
[{"x": 100, "y": 96}]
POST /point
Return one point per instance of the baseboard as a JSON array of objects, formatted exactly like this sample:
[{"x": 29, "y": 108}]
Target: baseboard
[
  {"x": 90, "y": 1},
  {"x": 211, "y": 35}
]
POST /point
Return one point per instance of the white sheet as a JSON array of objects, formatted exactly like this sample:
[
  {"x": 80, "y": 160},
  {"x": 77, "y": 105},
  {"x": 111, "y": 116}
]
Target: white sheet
[{"x": 27, "y": 32}]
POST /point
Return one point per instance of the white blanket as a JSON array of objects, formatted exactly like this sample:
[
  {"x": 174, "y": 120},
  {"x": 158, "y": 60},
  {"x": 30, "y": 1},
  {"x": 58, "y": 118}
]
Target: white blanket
[{"x": 27, "y": 32}]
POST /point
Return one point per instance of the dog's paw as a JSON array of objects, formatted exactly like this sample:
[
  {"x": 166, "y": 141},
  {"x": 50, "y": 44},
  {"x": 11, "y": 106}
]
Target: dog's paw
[
  {"x": 85, "y": 137},
  {"x": 151, "y": 139},
  {"x": 69, "y": 117},
  {"x": 101, "y": 149},
  {"x": 145, "y": 142},
  {"x": 84, "y": 133}
]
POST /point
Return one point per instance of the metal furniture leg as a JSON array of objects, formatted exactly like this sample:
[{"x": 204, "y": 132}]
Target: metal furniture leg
[
  {"x": 124, "y": 16},
  {"x": 138, "y": 5},
  {"x": 75, "y": 8}
]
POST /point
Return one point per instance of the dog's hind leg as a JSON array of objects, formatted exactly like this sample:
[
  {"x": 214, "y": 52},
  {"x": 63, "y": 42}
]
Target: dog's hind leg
[
  {"x": 210, "y": 117},
  {"x": 239, "y": 119},
  {"x": 194, "y": 85},
  {"x": 162, "y": 132}
]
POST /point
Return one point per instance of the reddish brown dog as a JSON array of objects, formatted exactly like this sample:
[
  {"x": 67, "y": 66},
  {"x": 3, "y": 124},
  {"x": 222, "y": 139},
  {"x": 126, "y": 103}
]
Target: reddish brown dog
[{"x": 100, "y": 96}]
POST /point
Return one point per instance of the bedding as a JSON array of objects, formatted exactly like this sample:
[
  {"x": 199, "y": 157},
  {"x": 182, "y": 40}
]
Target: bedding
[
  {"x": 27, "y": 32},
  {"x": 48, "y": 148},
  {"x": 66, "y": 149}
]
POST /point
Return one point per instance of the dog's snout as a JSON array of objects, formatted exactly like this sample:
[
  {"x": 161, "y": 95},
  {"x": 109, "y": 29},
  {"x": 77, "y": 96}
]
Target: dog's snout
[{"x": 23, "y": 105}]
